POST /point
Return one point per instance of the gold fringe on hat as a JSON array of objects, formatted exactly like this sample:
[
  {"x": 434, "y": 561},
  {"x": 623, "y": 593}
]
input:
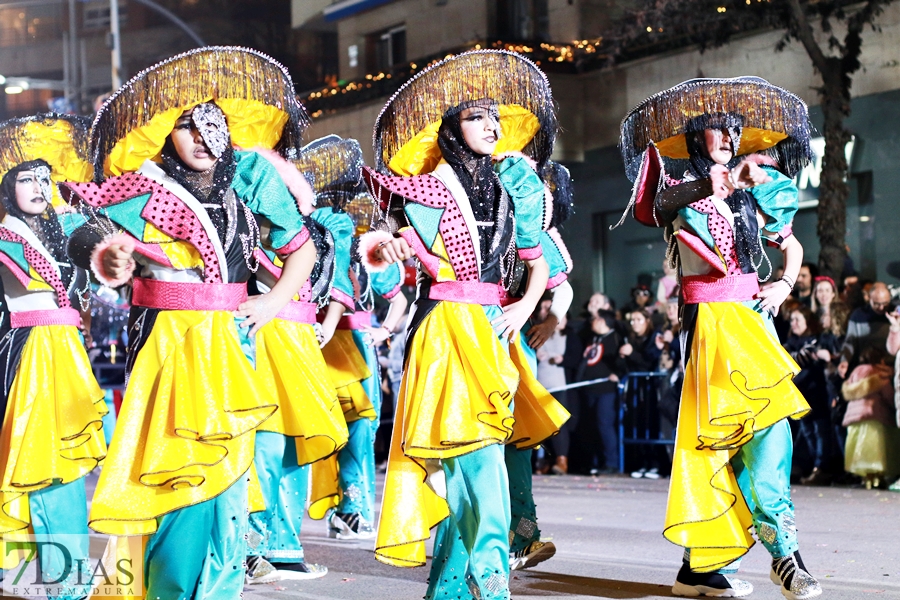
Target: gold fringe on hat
[
  {"x": 222, "y": 74},
  {"x": 507, "y": 78},
  {"x": 333, "y": 167},
  {"x": 770, "y": 117},
  {"x": 61, "y": 140}
]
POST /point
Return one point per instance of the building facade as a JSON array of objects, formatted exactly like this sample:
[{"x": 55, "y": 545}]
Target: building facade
[{"x": 376, "y": 37}]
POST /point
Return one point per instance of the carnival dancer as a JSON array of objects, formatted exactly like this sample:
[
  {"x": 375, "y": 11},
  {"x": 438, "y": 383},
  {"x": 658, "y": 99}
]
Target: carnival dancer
[
  {"x": 743, "y": 139},
  {"x": 350, "y": 353},
  {"x": 466, "y": 221},
  {"x": 188, "y": 226},
  {"x": 289, "y": 358},
  {"x": 52, "y": 433},
  {"x": 526, "y": 548}
]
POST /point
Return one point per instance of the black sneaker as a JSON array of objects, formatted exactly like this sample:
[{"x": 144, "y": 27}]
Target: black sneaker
[
  {"x": 796, "y": 583},
  {"x": 349, "y": 526},
  {"x": 259, "y": 570},
  {"x": 714, "y": 585},
  {"x": 534, "y": 553}
]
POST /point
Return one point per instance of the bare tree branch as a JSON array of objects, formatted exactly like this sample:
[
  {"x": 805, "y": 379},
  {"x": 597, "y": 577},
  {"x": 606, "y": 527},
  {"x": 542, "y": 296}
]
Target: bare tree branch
[{"x": 803, "y": 31}]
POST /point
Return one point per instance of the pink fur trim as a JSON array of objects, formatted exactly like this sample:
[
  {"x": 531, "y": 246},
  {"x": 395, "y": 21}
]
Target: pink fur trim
[
  {"x": 296, "y": 183},
  {"x": 97, "y": 259},
  {"x": 368, "y": 244},
  {"x": 514, "y": 154}
]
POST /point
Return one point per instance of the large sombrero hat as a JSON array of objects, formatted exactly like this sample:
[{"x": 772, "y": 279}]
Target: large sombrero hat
[
  {"x": 253, "y": 90},
  {"x": 333, "y": 167},
  {"x": 61, "y": 140},
  {"x": 770, "y": 118},
  {"x": 406, "y": 130}
]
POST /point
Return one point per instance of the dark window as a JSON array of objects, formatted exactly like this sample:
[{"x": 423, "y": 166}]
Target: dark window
[
  {"x": 523, "y": 20},
  {"x": 96, "y": 15},
  {"x": 386, "y": 49}
]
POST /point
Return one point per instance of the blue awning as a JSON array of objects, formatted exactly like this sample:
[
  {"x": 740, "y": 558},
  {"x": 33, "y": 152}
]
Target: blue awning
[{"x": 350, "y": 7}]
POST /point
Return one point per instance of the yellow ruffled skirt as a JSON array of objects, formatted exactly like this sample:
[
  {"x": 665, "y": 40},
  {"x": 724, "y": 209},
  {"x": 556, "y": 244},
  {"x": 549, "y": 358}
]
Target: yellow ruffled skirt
[
  {"x": 289, "y": 360},
  {"x": 455, "y": 398},
  {"x": 52, "y": 429},
  {"x": 185, "y": 431},
  {"x": 347, "y": 369},
  {"x": 738, "y": 381}
]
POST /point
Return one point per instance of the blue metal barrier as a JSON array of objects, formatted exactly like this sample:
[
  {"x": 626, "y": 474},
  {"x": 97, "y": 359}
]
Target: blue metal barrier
[{"x": 639, "y": 402}]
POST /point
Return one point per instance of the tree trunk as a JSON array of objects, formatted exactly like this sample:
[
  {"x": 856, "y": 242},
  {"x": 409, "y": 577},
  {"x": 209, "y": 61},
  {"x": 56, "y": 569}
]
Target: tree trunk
[{"x": 833, "y": 188}]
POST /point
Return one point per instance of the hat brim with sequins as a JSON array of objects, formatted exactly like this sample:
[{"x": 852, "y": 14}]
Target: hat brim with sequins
[
  {"x": 253, "y": 90},
  {"x": 771, "y": 119},
  {"x": 406, "y": 130}
]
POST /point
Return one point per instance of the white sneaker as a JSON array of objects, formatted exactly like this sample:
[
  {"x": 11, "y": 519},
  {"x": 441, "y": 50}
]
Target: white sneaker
[{"x": 300, "y": 571}]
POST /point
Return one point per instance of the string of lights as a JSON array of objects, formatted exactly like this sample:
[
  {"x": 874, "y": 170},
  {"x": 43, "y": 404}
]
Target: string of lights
[{"x": 576, "y": 56}]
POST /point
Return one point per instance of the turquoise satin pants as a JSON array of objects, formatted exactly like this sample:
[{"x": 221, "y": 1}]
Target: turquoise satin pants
[
  {"x": 59, "y": 516},
  {"x": 275, "y": 532},
  {"x": 471, "y": 551},
  {"x": 523, "y": 527},
  {"x": 199, "y": 551},
  {"x": 357, "y": 458},
  {"x": 762, "y": 468}
]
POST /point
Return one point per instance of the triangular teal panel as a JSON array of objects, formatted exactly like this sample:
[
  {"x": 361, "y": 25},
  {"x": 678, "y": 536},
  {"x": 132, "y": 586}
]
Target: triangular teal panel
[
  {"x": 426, "y": 221},
  {"x": 128, "y": 214},
  {"x": 16, "y": 252}
]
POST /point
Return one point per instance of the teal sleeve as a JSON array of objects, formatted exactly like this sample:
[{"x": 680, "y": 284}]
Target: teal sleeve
[
  {"x": 341, "y": 227},
  {"x": 259, "y": 186},
  {"x": 526, "y": 190},
  {"x": 387, "y": 283},
  {"x": 555, "y": 253},
  {"x": 778, "y": 200}
]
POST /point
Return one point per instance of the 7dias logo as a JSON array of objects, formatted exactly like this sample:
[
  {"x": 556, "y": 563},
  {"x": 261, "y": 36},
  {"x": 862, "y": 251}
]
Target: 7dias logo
[{"x": 62, "y": 566}]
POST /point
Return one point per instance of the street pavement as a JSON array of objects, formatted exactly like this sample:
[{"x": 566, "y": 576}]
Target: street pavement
[{"x": 607, "y": 531}]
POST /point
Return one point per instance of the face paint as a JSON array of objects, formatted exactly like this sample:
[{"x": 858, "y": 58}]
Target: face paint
[{"x": 209, "y": 120}]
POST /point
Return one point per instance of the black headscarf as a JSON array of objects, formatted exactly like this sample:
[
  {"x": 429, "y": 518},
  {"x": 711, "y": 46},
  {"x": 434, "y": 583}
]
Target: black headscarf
[
  {"x": 474, "y": 171},
  {"x": 209, "y": 187},
  {"x": 741, "y": 202},
  {"x": 45, "y": 225}
]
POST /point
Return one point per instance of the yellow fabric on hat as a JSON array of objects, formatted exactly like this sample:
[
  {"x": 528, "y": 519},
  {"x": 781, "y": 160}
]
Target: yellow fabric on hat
[{"x": 421, "y": 154}]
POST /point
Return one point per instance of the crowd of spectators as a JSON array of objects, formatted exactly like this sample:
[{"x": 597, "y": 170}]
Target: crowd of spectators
[{"x": 627, "y": 370}]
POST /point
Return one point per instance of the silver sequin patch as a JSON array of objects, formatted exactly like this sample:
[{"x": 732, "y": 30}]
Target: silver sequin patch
[
  {"x": 254, "y": 539},
  {"x": 353, "y": 492},
  {"x": 210, "y": 122},
  {"x": 496, "y": 583},
  {"x": 789, "y": 525},
  {"x": 526, "y": 528},
  {"x": 767, "y": 533}
]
